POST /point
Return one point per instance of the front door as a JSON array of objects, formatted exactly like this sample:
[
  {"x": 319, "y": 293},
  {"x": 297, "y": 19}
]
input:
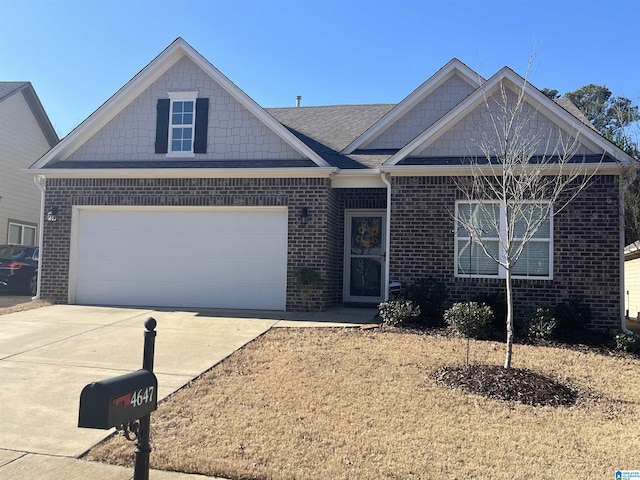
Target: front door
[{"x": 364, "y": 256}]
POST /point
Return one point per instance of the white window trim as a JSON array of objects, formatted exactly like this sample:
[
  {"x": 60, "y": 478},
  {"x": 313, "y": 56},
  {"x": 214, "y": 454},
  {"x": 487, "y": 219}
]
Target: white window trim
[
  {"x": 501, "y": 270},
  {"x": 181, "y": 97},
  {"x": 22, "y": 227}
]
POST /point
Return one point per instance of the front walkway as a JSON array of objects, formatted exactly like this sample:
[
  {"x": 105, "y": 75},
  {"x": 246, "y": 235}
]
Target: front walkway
[{"x": 49, "y": 354}]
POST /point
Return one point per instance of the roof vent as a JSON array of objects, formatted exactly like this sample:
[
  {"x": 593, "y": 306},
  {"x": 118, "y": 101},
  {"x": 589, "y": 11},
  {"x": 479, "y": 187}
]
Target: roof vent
[{"x": 298, "y": 98}]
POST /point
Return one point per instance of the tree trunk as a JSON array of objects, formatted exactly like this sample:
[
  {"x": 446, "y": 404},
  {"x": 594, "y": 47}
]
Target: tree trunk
[{"x": 507, "y": 359}]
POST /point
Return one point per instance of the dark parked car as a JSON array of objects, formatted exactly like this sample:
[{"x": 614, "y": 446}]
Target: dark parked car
[{"x": 19, "y": 268}]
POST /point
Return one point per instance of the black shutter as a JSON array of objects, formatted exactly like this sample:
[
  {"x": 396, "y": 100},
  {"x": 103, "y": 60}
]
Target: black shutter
[
  {"x": 162, "y": 125},
  {"x": 202, "y": 124}
]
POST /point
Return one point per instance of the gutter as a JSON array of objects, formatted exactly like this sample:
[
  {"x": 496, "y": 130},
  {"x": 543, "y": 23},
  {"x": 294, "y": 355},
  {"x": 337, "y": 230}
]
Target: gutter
[
  {"x": 300, "y": 172},
  {"x": 387, "y": 240},
  {"x": 42, "y": 189}
]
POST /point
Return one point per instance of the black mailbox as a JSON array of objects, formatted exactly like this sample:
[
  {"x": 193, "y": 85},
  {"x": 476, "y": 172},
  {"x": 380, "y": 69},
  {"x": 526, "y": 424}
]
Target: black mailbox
[{"x": 119, "y": 400}]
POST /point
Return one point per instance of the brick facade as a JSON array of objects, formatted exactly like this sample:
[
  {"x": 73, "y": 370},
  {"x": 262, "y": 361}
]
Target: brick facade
[
  {"x": 585, "y": 248},
  {"x": 308, "y": 245},
  {"x": 586, "y": 234}
]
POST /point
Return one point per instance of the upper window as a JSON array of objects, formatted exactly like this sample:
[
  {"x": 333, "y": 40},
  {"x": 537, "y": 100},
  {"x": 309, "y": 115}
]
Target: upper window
[
  {"x": 489, "y": 221},
  {"x": 21, "y": 234},
  {"x": 181, "y": 129},
  {"x": 182, "y": 122}
]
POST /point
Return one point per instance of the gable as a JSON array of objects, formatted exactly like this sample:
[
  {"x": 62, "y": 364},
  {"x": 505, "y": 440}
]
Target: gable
[
  {"x": 9, "y": 91},
  {"x": 424, "y": 114},
  {"x": 247, "y": 127},
  {"x": 465, "y": 137},
  {"x": 460, "y": 131},
  {"x": 233, "y": 132},
  {"x": 22, "y": 142}
]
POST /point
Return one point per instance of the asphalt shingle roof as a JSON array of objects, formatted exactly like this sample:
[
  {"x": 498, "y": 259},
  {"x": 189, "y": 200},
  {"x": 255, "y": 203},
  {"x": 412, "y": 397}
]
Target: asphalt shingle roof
[
  {"x": 7, "y": 88},
  {"x": 329, "y": 129}
]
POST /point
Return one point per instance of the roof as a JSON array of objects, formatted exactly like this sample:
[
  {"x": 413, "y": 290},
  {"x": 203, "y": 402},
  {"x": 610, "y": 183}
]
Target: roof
[
  {"x": 178, "y": 49},
  {"x": 8, "y": 89},
  {"x": 335, "y": 136},
  {"x": 632, "y": 251},
  {"x": 328, "y": 130},
  {"x": 570, "y": 107}
]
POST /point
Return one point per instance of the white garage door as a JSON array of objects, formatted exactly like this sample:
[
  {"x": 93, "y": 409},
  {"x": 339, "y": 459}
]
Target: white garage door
[{"x": 198, "y": 257}]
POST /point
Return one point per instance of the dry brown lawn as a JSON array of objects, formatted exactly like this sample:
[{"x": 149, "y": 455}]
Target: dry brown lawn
[
  {"x": 21, "y": 307},
  {"x": 355, "y": 404}
]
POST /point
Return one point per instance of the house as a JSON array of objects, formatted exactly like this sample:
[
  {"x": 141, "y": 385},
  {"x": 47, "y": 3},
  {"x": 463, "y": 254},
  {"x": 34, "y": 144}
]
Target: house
[
  {"x": 25, "y": 135},
  {"x": 182, "y": 191},
  {"x": 632, "y": 279}
]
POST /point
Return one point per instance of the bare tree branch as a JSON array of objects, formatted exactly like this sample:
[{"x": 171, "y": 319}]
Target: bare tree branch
[{"x": 527, "y": 168}]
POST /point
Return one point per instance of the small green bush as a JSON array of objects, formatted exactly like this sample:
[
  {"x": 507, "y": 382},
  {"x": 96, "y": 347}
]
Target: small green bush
[
  {"x": 542, "y": 325},
  {"x": 429, "y": 294},
  {"x": 572, "y": 314},
  {"x": 498, "y": 302},
  {"x": 471, "y": 319},
  {"x": 398, "y": 312},
  {"x": 308, "y": 277},
  {"x": 627, "y": 343},
  {"x": 309, "y": 280}
]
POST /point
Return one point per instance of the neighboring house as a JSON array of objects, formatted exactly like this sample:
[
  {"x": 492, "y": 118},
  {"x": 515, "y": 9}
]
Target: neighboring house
[
  {"x": 25, "y": 135},
  {"x": 632, "y": 279},
  {"x": 181, "y": 191}
]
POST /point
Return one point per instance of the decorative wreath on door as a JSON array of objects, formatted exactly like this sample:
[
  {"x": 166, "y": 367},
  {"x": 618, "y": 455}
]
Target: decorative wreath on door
[{"x": 367, "y": 236}]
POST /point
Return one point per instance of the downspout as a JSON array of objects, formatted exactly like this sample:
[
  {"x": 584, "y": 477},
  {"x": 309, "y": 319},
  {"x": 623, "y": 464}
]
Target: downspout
[
  {"x": 623, "y": 319},
  {"x": 387, "y": 240},
  {"x": 42, "y": 189}
]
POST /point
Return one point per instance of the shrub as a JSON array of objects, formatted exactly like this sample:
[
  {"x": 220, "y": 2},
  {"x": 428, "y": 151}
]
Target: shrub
[
  {"x": 627, "y": 343},
  {"x": 572, "y": 314},
  {"x": 429, "y": 294},
  {"x": 542, "y": 325},
  {"x": 308, "y": 277},
  {"x": 398, "y": 312},
  {"x": 471, "y": 319},
  {"x": 498, "y": 303}
]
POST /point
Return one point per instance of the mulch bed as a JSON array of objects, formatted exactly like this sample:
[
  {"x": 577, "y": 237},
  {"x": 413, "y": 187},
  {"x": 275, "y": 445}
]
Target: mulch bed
[{"x": 508, "y": 384}]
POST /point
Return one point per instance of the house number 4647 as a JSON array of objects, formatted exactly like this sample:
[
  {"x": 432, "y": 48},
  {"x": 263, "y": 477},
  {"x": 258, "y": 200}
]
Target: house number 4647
[{"x": 142, "y": 396}]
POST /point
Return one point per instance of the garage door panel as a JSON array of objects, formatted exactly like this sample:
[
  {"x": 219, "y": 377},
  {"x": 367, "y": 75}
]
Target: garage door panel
[
  {"x": 207, "y": 270},
  {"x": 194, "y": 294},
  {"x": 199, "y": 258}
]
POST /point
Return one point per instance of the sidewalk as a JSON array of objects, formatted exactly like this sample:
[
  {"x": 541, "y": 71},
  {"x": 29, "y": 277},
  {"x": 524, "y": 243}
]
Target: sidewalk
[{"x": 48, "y": 355}]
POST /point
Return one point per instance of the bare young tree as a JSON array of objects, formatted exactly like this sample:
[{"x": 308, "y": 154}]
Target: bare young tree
[{"x": 522, "y": 174}]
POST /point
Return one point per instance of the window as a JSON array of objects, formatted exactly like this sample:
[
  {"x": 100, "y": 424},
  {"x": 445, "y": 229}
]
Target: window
[
  {"x": 21, "y": 234},
  {"x": 471, "y": 258},
  {"x": 181, "y": 127},
  {"x": 535, "y": 259},
  {"x": 488, "y": 220}
]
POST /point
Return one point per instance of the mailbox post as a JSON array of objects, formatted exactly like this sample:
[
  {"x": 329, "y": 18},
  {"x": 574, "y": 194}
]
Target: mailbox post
[
  {"x": 126, "y": 402},
  {"x": 143, "y": 449}
]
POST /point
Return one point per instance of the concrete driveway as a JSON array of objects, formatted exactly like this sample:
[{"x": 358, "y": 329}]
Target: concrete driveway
[{"x": 49, "y": 354}]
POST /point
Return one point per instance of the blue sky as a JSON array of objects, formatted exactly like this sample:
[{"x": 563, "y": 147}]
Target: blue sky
[{"x": 77, "y": 53}]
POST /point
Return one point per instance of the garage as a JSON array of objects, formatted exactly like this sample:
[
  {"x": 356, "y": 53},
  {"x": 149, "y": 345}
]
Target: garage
[{"x": 179, "y": 257}]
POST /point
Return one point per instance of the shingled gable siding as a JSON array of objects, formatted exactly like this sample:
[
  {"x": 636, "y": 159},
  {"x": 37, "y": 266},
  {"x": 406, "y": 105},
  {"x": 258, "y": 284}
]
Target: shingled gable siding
[
  {"x": 423, "y": 115},
  {"x": 586, "y": 248},
  {"x": 233, "y": 132},
  {"x": 311, "y": 245}
]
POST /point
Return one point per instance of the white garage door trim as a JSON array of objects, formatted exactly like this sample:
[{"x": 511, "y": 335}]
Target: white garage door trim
[{"x": 262, "y": 227}]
